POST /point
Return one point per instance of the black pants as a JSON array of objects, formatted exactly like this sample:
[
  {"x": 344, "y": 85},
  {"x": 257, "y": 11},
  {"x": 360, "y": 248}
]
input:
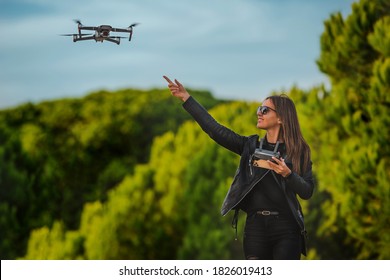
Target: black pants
[{"x": 271, "y": 238}]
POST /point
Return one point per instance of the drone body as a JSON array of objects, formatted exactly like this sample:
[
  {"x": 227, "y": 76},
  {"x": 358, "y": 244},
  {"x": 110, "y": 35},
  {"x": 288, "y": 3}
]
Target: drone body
[{"x": 102, "y": 33}]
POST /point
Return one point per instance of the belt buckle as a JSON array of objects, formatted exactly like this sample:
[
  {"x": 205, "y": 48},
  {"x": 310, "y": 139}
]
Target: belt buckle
[{"x": 265, "y": 213}]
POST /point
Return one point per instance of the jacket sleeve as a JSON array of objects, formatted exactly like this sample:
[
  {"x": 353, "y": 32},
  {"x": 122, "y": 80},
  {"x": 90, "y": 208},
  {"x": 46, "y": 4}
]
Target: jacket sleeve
[
  {"x": 301, "y": 185},
  {"x": 219, "y": 133}
]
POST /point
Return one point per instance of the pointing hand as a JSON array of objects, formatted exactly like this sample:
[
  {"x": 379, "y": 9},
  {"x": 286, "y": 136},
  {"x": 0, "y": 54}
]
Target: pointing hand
[{"x": 177, "y": 89}]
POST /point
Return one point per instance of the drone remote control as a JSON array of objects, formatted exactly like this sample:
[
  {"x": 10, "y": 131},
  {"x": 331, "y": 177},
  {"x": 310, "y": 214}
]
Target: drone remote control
[
  {"x": 265, "y": 154},
  {"x": 262, "y": 154}
]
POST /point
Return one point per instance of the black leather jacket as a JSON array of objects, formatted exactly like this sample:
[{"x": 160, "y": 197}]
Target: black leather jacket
[{"x": 244, "y": 179}]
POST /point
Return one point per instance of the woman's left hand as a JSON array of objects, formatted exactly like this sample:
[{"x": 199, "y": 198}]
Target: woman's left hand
[{"x": 279, "y": 166}]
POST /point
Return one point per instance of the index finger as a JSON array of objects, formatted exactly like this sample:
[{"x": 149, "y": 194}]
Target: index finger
[{"x": 168, "y": 80}]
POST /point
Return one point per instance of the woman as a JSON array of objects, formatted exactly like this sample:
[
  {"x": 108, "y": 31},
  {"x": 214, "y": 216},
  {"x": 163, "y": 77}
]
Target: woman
[{"x": 265, "y": 189}]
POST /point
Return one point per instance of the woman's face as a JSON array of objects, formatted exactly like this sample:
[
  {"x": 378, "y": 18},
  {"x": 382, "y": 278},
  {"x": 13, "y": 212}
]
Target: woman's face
[{"x": 269, "y": 118}]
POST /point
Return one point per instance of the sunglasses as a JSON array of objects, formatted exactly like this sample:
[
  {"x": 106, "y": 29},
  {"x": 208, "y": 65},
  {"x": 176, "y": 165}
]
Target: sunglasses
[{"x": 264, "y": 110}]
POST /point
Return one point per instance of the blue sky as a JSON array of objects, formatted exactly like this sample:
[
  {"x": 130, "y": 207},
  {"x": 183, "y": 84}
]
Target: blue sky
[{"x": 238, "y": 49}]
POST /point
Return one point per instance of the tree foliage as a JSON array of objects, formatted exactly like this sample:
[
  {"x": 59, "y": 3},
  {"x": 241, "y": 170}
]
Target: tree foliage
[
  {"x": 57, "y": 155},
  {"x": 355, "y": 153}
]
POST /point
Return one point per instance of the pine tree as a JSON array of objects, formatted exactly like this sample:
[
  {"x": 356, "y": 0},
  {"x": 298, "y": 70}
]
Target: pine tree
[{"x": 355, "y": 155}]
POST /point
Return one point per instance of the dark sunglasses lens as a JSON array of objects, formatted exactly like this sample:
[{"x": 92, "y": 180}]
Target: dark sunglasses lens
[{"x": 263, "y": 110}]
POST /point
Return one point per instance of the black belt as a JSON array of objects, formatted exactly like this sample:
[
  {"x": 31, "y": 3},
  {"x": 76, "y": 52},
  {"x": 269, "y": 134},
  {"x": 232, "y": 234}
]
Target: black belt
[{"x": 267, "y": 213}]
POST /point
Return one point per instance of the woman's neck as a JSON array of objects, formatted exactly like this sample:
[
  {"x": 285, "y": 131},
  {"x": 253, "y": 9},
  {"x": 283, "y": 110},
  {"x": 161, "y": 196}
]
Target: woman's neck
[{"x": 273, "y": 135}]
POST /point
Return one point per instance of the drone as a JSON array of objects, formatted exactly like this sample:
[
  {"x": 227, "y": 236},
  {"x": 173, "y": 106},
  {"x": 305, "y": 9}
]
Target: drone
[{"x": 102, "y": 33}]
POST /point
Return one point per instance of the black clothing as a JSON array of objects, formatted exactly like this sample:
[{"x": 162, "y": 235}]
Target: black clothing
[
  {"x": 271, "y": 237},
  {"x": 247, "y": 176},
  {"x": 265, "y": 195}
]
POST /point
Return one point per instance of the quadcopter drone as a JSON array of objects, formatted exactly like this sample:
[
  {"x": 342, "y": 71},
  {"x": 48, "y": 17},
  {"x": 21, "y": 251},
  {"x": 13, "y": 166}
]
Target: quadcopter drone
[{"x": 102, "y": 33}]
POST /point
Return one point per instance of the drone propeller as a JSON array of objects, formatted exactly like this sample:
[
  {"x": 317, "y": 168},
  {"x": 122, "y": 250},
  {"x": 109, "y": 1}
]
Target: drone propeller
[
  {"x": 82, "y": 34},
  {"x": 131, "y": 30},
  {"x": 77, "y": 21}
]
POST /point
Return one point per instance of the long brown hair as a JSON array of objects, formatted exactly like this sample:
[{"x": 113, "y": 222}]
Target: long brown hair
[{"x": 297, "y": 150}]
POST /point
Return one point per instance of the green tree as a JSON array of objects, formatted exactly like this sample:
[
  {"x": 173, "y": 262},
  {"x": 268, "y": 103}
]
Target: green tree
[
  {"x": 354, "y": 155},
  {"x": 57, "y": 155}
]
